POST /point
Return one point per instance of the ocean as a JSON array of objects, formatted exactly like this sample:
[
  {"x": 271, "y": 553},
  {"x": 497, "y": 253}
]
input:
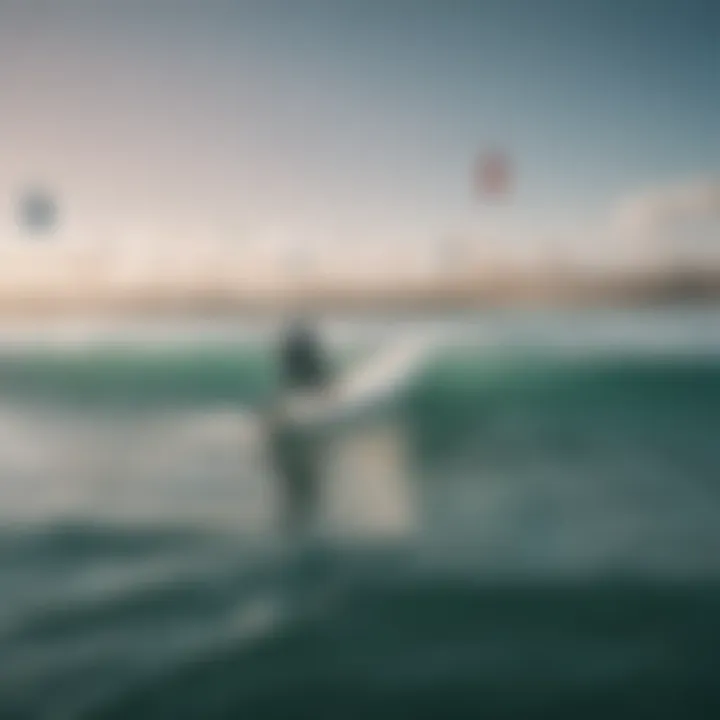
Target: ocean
[{"x": 565, "y": 562}]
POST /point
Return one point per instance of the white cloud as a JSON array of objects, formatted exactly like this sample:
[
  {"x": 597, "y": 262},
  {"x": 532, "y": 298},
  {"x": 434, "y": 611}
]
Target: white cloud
[{"x": 654, "y": 211}]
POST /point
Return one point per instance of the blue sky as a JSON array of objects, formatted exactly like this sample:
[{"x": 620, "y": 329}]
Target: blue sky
[{"x": 354, "y": 118}]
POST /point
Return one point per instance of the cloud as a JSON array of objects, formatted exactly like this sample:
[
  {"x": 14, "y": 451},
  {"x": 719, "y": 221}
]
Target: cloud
[
  {"x": 642, "y": 229},
  {"x": 650, "y": 214}
]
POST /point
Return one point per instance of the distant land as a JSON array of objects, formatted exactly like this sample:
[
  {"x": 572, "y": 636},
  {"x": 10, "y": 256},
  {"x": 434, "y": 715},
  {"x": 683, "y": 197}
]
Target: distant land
[{"x": 457, "y": 290}]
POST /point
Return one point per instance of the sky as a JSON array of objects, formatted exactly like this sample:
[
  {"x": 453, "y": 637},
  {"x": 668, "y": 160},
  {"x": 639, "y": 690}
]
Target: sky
[{"x": 267, "y": 123}]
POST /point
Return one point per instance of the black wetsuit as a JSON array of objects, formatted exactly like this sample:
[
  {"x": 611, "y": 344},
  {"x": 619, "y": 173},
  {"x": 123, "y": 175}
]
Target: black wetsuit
[
  {"x": 303, "y": 363},
  {"x": 298, "y": 450}
]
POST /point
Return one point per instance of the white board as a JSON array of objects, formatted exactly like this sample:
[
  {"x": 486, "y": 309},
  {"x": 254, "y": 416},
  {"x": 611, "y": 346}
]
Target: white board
[
  {"x": 366, "y": 389},
  {"x": 368, "y": 491}
]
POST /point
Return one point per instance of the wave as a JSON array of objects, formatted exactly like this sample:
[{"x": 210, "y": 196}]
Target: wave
[{"x": 214, "y": 638}]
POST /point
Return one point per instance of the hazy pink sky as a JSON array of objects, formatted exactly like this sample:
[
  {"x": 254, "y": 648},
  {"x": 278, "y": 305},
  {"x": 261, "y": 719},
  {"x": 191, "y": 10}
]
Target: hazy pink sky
[{"x": 289, "y": 120}]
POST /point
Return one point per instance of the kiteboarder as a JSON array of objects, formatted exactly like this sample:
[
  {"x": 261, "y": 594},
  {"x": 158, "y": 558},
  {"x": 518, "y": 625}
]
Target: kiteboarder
[{"x": 297, "y": 447}]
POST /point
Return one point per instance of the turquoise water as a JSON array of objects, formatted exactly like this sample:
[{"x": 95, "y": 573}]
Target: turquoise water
[{"x": 567, "y": 562}]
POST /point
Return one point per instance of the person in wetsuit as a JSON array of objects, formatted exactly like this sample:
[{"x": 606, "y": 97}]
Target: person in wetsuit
[
  {"x": 303, "y": 364},
  {"x": 297, "y": 449}
]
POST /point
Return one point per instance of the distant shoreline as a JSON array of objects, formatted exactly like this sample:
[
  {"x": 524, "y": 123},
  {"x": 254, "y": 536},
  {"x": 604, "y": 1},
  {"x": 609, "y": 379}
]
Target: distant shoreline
[{"x": 458, "y": 293}]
